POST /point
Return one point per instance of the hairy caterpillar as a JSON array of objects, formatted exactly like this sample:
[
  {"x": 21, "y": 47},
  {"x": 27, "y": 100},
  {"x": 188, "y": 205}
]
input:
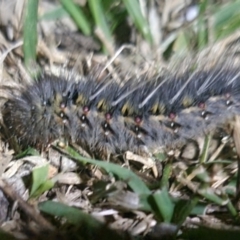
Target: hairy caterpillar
[{"x": 108, "y": 117}]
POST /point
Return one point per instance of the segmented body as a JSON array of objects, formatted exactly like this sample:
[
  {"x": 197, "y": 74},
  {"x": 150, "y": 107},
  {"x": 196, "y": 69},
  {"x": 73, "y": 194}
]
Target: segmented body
[{"x": 140, "y": 116}]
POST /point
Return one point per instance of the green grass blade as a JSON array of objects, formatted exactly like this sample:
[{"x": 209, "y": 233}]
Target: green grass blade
[
  {"x": 141, "y": 23},
  {"x": 30, "y": 33},
  {"x": 100, "y": 20},
  {"x": 132, "y": 179},
  {"x": 87, "y": 227},
  {"x": 164, "y": 183},
  {"x": 57, "y": 13},
  {"x": 72, "y": 215},
  {"x": 77, "y": 15},
  {"x": 164, "y": 205},
  {"x": 210, "y": 195},
  {"x": 183, "y": 209},
  {"x": 225, "y": 14},
  {"x": 204, "y": 156},
  {"x": 39, "y": 176}
]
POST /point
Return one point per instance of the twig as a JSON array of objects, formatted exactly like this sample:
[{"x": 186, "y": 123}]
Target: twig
[{"x": 27, "y": 208}]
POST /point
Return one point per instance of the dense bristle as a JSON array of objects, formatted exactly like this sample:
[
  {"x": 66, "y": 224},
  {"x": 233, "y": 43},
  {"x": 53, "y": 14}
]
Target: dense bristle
[{"x": 108, "y": 117}]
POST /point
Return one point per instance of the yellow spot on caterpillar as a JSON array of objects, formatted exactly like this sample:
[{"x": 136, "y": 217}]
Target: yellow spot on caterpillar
[
  {"x": 127, "y": 109},
  {"x": 158, "y": 108},
  {"x": 187, "y": 101},
  {"x": 161, "y": 108},
  {"x": 81, "y": 100},
  {"x": 154, "y": 109},
  {"x": 102, "y": 105}
]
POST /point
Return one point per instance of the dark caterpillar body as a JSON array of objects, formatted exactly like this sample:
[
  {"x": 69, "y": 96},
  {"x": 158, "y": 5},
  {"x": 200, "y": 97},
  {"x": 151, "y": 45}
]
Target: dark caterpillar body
[{"x": 110, "y": 117}]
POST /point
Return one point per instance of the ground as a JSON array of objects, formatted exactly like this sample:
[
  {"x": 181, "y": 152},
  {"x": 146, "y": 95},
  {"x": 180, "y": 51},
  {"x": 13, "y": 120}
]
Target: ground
[{"x": 63, "y": 191}]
